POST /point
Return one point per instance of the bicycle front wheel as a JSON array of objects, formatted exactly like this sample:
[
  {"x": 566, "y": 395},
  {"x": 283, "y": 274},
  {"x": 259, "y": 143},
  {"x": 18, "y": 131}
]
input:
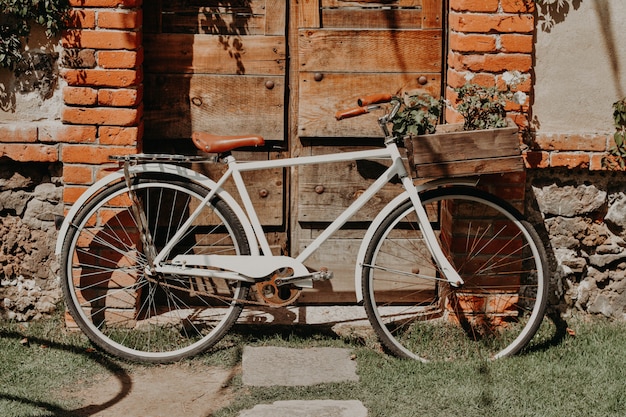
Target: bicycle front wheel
[
  {"x": 417, "y": 314},
  {"x": 116, "y": 300}
]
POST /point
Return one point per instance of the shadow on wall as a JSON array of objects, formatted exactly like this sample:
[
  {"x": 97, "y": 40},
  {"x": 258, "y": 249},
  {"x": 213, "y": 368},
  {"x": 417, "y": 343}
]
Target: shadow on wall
[
  {"x": 553, "y": 12},
  {"x": 603, "y": 13}
]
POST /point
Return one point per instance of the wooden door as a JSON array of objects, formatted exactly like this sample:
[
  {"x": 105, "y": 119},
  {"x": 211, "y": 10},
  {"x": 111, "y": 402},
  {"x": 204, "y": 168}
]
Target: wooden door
[
  {"x": 348, "y": 49},
  {"x": 282, "y": 69},
  {"x": 219, "y": 66}
]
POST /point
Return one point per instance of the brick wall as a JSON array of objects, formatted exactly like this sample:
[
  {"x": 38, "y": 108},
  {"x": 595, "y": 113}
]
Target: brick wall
[
  {"x": 102, "y": 112},
  {"x": 486, "y": 39},
  {"x": 101, "y": 64}
]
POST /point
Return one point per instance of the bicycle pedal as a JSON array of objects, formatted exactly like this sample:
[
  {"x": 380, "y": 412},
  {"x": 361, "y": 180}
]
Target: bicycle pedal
[{"x": 322, "y": 275}]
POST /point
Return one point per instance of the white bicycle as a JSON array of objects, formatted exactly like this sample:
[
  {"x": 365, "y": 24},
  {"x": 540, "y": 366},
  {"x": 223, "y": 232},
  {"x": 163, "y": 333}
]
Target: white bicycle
[{"x": 158, "y": 261}]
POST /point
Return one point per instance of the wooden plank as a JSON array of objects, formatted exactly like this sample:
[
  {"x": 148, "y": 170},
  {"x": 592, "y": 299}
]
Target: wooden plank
[
  {"x": 320, "y": 100},
  {"x": 372, "y": 18},
  {"x": 375, "y": 51},
  {"x": 152, "y": 16},
  {"x": 200, "y": 23},
  {"x": 326, "y": 190},
  {"x": 433, "y": 14},
  {"x": 215, "y": 17},
  {"x": 275, "y": 17},
  {"x": 372, "y": 3},
  {"x": 471, "y": 167},
  {"x": 250, "y": 55},
  {"x": 177, "y": 105},
  {"x": 308, "y": 13}
]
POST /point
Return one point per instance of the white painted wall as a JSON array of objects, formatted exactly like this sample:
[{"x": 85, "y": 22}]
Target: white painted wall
[{"x": 580, "y": 68}]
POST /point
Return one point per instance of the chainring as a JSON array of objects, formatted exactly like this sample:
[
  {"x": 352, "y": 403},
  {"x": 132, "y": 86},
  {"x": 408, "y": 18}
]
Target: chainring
[{"x": 275, "y": 295}]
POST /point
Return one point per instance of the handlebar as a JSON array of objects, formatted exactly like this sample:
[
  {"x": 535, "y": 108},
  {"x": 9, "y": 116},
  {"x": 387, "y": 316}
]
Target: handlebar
[
  {"x": 365, "y": 104},
  {"x": 374, "y": 99}
]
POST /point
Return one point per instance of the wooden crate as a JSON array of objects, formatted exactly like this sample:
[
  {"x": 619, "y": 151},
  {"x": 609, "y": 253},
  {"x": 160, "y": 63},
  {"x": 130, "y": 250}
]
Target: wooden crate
[{"x": 452, "y": 152}]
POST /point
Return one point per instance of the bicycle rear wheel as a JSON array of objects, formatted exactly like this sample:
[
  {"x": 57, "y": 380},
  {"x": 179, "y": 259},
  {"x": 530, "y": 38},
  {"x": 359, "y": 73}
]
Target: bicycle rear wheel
[
  {"x": 118, "y": 303},
  {"x": 498, "y": 254}
]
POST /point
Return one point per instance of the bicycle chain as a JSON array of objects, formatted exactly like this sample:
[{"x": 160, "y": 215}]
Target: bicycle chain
[{"x": 206, "y": 294}]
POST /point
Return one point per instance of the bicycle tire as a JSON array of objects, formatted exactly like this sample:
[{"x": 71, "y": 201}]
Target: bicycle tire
[
  {"x": 417, "y": 314},
  {"x": 118, "y": 304}
]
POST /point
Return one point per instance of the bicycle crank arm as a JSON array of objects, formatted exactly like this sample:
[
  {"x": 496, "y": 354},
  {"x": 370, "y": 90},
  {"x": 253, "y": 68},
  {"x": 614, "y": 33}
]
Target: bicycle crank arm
[{"x": 322, "y": 275}]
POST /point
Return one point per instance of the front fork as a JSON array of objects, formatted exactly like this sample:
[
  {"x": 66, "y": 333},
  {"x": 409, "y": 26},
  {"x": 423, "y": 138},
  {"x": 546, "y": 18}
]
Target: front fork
[{"x": 430, "y": 238}]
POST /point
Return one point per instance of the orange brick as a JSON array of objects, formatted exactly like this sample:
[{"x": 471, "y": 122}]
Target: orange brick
[
  {"x": 67, "y": 133},
  {"x": 119, "y": 19},
  {"x": 81, "y": 19},
  {"x": 101, "y": 39},
  {"x": 520, "y": 119},
  {"x": 472, "y": 43},
  {"x": 525, "y": 85},
  {"x": 516, "y": 43},
  {"x": 114, "y": 135},
  {"x": 536, "y": 159},
  {"x": 490, "y": 62},
  {"x": 102, "y": 78},
  {"x": 18, "y": 133},
  {"x": 105, "y": 170},
  {"x": 119, "y": 97},
  {"x": 29, "y": 152},
  {"x": 82, "y": 96},
  {"x": 101, "y": 116},
  {"x": 518, "y": 6},
  {"x": 571, "y": 142},
  {"x": 77, "y": 174},
  {"x": 457, "y": 79},
  {"x": 488, "y": 6},
  {"x": 83, "y": 154},
  {"x": 597, "y": 164},
  {"x": 120, "y": 59},
  {"x": 71, "y": 194},
  {"x": 569, "y": 160},
  {"x": 490, "y": 23}
]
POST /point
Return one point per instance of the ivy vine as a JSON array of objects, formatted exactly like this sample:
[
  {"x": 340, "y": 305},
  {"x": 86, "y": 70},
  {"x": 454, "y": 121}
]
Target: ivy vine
[{"x": 16, "y": 19}]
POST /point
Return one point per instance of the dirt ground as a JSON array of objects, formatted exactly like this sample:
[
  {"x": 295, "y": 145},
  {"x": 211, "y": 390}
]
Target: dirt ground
[{"x": 160, "y": 391}]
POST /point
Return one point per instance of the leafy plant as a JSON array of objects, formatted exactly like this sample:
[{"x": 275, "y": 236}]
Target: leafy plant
[
  {"x": 485, "y": 107},
  {"x": 619, "y": 137},
  {"x": 16, "y": 17},
  {"x": 419, "y": 115}
]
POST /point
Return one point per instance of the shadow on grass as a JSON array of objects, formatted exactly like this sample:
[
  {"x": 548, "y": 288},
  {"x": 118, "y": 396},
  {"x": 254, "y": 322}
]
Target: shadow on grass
[
  {"x": 559, "y": 334},
  {"x": 56, "y": 411}
]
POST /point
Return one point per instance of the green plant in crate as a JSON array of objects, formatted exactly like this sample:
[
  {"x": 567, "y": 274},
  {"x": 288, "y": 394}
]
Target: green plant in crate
[
  {"x": 485, "y": 107},
  {"x": 418, "y": 116}
]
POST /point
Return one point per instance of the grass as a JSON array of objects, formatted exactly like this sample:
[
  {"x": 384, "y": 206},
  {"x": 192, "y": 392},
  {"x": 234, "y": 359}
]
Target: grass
[{"x": 561, "y": 374}]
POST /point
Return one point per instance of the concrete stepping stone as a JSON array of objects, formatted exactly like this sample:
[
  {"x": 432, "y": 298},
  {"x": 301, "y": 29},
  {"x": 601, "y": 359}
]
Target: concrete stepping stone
[
  {"x": 269, "y": 366},
  {"x": 319, "y": 408}
]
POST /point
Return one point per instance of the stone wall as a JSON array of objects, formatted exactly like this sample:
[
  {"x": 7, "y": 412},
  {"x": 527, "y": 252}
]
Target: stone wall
[
  {"x": 582, "y": 216},
  {"x": 30, "y": 198}
]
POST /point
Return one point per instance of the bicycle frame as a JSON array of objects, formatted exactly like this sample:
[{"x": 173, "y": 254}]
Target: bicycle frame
[{"x": 266, "y": 263}]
